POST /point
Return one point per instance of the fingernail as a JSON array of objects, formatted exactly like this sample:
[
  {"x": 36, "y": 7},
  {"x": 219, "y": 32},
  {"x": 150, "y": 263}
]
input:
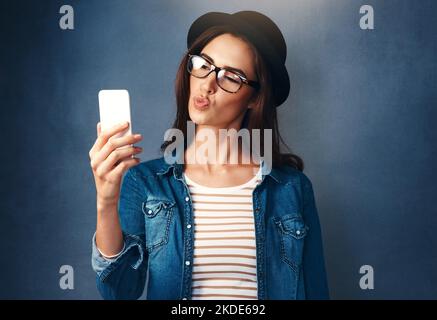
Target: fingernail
[
  {"x": 124, "y": 124},
  {"x": 137, "y": 136}
]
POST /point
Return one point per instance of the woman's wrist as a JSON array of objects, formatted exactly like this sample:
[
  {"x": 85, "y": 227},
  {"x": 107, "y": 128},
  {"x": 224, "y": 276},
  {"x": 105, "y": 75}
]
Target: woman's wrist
[
  {"x": 104, "y": 204},
  {"x": 113, "y": 255}
]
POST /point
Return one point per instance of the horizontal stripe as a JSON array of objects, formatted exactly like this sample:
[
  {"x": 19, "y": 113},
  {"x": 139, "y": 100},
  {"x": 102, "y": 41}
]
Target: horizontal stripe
[
  {"x": 226, "y": 209},
  {"x": 222, "y": 247},
  {"x": 224, "y": 264},
  {"x": 226, "y": 238},
  {"x": 233, "y": 279},
  {"x": 231, "y": 228},
  {"x": 223, "y": 217},
  {"x": 228, "y": 214},
  {"x": 225, "y": 278},
  {"x": 227, "y": 242},
  {"x": 228, "y": 230},
  {"x": 220, "y": 265},
  {"x": 224, "y": 255},
  {"x": 224, "y": 287},
  {"x": 223, "y": 224},
  {"x": 225, "y": 234},
  {"x": 220, "y": 251},
  {"x": 226, "y": 259},
  {"x": 224, "y": 195},
  {"x": 204, "y": 203},
  {"x": 209, "y": 272},
  {"x": 224, "y": 291},
  {"x": 223, "y": 295}
]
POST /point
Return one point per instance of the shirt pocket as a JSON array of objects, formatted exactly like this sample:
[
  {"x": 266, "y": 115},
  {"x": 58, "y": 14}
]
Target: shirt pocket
[
  {"x": 157, "y": 219},
  {"x": 292, "y": 232}
]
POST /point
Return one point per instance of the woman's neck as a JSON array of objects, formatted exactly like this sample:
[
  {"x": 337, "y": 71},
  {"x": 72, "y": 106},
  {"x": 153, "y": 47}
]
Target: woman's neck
[{"x": 215, "y": 151}]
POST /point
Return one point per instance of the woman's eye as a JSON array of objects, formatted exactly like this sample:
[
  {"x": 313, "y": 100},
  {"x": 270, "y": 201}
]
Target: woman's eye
[{"x": 232, "y": 80}]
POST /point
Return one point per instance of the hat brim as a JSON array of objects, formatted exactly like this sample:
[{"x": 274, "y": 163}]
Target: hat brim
[{"x": 280, "y": 77}]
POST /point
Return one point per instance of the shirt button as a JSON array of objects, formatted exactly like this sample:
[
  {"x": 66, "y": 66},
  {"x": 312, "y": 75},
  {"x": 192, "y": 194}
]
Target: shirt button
[
  {"x": 298, "y": 232},
  {"x": 189, "y": 226},
  {"x": 184, "y": 299},
  {"x": 187, "y": 199},
  {"x": 187, "y": 263},
  {"x": 150, "y": 211}
]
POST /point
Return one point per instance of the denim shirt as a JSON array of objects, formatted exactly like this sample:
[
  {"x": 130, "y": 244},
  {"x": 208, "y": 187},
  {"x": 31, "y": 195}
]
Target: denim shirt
[{"x": 156, "y": 215}]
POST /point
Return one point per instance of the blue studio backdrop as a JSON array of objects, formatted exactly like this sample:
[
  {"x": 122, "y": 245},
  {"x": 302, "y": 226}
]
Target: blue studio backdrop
[{"x": 361, "y": 113}]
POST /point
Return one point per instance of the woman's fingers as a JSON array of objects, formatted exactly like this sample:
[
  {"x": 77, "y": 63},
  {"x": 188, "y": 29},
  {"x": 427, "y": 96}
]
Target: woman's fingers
[
  {"x": 115, "y": 143},
  {"x": 115, "y": 157},
  {"x": 107, "y": 134},
  {"x": 123, "y": 166},
  {"x": 104, "y": 136}
]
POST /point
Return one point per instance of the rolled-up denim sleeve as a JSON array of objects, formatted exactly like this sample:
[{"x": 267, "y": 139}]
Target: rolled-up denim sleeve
[
  {"x": 314, "y": 271},
  {"x": 124, "y": 276}
]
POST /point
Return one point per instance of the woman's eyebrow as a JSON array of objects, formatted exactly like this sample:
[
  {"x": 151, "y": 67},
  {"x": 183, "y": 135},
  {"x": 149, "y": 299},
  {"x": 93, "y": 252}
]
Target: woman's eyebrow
[{"x": 211, "y": 60}]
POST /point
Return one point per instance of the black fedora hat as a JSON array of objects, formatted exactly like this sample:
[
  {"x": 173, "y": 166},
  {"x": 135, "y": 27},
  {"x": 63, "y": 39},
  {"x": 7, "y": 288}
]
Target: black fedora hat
[{"x": 263, "y": 33}]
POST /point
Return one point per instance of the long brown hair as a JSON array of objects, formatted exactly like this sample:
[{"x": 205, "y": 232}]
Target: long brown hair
[{"x": 261, "y": 116}]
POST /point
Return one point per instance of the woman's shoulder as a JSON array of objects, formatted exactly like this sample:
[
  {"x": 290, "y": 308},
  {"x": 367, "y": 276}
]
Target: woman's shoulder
[{"x": 291, "y": 175}]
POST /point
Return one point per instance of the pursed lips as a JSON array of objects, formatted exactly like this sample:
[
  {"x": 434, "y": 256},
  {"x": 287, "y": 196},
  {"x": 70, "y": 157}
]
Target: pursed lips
[{"x": 200, "y": 101}]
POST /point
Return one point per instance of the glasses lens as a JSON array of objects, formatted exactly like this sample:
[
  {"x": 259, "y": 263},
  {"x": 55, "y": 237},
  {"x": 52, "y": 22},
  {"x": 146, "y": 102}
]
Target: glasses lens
[
  {"x": 198, "y": 66},
  {"x": 229, "y": 81}
]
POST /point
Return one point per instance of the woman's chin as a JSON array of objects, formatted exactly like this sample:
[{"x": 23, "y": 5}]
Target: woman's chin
[
  {"x": 200, "y": 121},
  {"x": 200, "y": 118}
]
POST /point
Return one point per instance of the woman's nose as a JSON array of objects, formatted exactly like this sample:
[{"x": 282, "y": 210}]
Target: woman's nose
[{"x": 209, "y": 83}]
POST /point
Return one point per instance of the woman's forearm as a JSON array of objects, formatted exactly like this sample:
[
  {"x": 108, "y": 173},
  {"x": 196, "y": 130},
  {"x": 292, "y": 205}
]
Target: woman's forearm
[{"x": 109, "y": 236}]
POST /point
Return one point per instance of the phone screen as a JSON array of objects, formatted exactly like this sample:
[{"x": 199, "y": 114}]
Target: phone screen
[{"x": 114, "y": 107}]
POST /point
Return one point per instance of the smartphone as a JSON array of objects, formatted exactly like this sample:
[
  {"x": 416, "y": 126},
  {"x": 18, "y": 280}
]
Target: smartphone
[{"x": 114, "y": 108}]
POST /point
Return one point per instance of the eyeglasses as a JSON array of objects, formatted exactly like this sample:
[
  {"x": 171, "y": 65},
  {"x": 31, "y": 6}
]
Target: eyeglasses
[{"x": 228, "y": 80}]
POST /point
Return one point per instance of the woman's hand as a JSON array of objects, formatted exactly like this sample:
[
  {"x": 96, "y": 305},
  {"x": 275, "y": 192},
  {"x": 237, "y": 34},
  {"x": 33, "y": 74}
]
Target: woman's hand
[{"x": 109, "y": 163}]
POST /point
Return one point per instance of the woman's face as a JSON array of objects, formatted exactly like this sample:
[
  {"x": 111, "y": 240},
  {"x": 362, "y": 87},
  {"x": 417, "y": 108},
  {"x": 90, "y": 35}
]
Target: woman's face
[{"x": 225, "y": 110}]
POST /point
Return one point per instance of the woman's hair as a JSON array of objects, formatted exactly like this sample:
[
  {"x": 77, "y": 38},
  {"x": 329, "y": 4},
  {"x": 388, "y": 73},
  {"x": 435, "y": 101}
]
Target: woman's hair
[{"x": 263, "y": 114}]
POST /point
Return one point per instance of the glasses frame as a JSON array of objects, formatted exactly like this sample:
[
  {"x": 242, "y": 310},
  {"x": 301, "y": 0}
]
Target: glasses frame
[{"x": 244, "y": 80}]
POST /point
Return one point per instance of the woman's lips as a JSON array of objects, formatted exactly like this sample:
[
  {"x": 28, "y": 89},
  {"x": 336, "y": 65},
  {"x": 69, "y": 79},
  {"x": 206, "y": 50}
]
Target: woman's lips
[{"x": 201, "y": 103}]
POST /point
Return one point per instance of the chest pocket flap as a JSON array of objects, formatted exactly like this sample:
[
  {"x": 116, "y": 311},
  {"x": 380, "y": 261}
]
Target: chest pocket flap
[
  {"x": 293, "y": 226},
  {"x": 152, "y": 207}
]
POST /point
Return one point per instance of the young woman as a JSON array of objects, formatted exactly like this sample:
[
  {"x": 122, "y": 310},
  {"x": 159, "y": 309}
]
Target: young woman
[{"x": 211, "y": 230}]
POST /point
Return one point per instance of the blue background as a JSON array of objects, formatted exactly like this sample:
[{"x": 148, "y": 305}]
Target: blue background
[{"x": 361, "y": 113}]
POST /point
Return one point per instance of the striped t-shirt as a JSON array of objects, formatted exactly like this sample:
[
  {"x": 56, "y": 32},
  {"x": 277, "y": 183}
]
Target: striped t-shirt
[{"x": 224, "y": 264}]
